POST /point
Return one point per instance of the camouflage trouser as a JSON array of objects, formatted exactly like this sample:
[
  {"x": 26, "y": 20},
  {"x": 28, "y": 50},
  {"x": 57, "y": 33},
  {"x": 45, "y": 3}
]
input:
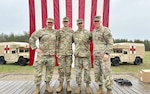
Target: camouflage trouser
[
  {"x": 64, "y": 68},
  {"x": 41, "y": 61},
  {"x": 103, "y": 70},
  {"x": 85, "y": 61}
]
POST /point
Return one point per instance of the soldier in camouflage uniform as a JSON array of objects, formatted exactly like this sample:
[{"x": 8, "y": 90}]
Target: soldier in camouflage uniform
[
  {"x": 82, "y": 39},
  {"x": 103, "y": 44},
  {"x": 45, "y": 54},
  {"x": 64, "y": 41}
]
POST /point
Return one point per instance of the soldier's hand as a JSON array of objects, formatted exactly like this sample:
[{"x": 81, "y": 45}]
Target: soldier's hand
[
  {"x": 105, "y": 57},
  {"x": 38, "y": 51}
]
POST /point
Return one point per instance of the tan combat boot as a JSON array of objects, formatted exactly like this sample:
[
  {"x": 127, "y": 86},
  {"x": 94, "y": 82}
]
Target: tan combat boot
[
  {"x": 48, "y": 88},
  {"x": 68, "y": 87},
  {"x": 109, "y": 91},
  {"x": 59, "y": 88},
  {"x": 37, "y": 90},
  {"x": 88, "y": 91},
  {"x": 100, "y": 90},
  {"x": 78, "y": 89}
]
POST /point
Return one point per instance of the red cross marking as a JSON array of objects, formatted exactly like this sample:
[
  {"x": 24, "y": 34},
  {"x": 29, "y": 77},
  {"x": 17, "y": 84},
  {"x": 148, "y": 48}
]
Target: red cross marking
[
  {"x": 6, "y": 49},
  {"x": 132, "y": 49}
]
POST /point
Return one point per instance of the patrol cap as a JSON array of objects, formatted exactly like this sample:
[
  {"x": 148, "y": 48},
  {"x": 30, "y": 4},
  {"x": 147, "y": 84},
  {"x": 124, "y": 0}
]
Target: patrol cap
[
  {"x": 97, "y": 18},
  {"x": 65, "y": 19},
  {"x": 79, "y": 21},
  {"x": 49, "y": 20}
]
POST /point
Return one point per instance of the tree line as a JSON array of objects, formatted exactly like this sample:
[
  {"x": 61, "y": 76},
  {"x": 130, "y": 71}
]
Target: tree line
[
  {"x": 25, "y": 38},
  {"x": 145, "y": 42},
  {"x": 14, "y": 37}
]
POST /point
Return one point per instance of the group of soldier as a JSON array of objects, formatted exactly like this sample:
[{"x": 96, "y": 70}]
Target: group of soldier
[{"x": 59, "y": 42}]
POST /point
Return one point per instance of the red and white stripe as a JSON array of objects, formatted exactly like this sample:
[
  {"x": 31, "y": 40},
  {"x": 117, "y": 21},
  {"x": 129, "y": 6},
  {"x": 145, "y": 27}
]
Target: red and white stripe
[{"x": 39, "y": 10}]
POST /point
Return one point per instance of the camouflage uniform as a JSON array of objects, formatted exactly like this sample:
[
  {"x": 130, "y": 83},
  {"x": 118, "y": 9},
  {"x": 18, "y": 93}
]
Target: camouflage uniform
[
  {"x": 47, "y": 43},
  {"x": 65, "y": 40},
  {"x": 103, "y": 43},
  {"x": 82, "y": 39}
]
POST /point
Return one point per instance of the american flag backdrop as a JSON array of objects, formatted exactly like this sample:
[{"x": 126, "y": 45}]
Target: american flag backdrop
[{"x": 39, "y": 10}]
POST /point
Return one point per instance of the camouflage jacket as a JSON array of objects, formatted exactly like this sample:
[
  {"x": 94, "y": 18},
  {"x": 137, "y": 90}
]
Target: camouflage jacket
[
  {"x": 102, "y": 41},
  {"x": 82, "y": 40},
  {"x": 47, "y": 41},
  {"x": 64, "y": 41}
]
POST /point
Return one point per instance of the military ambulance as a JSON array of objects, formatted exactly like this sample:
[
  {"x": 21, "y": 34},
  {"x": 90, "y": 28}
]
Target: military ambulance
[
  {"x": 127, "y": 52},
  {"x": 17, "y": 52}
]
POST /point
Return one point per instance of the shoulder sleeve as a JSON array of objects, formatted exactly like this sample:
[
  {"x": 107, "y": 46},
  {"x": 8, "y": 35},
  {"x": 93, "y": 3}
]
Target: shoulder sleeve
[
  {"x": 34, "y": 37},
  {"x": 71, "y": 30},
  {"x": 108, "y": 39}
]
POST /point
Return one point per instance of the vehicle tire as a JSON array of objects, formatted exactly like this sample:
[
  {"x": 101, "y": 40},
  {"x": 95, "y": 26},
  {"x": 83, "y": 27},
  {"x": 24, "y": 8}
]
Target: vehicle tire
[
  {"x": 115, "y": 62},
  {"x": 22, "y": 61},
  {"x": 2, "y": 60},
  {"x": 137, "y": 61}
]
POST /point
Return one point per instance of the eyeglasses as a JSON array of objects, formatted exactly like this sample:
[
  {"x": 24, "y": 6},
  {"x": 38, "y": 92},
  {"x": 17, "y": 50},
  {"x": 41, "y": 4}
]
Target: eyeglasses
[
  {"x": 79, "y": 23},
  {"x": 96, "y": 21},
  {"x": 49, "y": 22}
]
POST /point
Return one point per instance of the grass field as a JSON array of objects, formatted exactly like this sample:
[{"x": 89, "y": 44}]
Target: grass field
[
  {"x": 131, "y": 68},
  {"x": 123, "y": 68}
]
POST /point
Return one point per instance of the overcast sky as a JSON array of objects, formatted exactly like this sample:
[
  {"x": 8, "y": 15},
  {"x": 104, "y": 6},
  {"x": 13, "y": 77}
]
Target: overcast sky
[{"x": 129, "y": 19}]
